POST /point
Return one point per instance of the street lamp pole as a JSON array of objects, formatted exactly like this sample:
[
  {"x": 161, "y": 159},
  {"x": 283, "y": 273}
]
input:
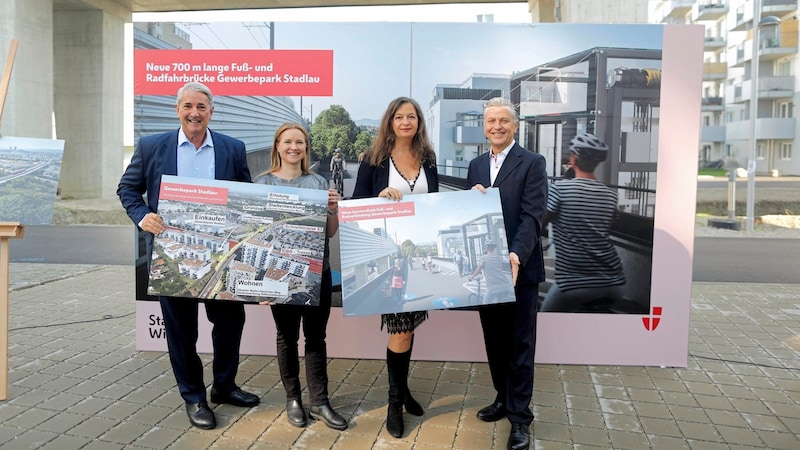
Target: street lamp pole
[
  {"x": 771, "y": 24},
  {"x": 752, "y": 149}
]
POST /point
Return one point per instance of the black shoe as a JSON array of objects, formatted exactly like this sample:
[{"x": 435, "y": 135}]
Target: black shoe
[
  {"x": 236, "y": 397},
  {"x": 326, "y": 414},
  {"x": 519, "y": 438},
  {"x": 394, "y": 419},
  {"x": 200, "y": 415},
  {"x": 295, "y": 413},
  {"x": 493, "y": 412}
]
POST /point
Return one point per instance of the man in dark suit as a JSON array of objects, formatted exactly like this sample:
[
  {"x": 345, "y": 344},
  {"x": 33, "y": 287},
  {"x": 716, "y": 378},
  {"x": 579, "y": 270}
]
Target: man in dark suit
[
  {"x": 509, "y": 329},
  {"x": 191, "y": 151}
]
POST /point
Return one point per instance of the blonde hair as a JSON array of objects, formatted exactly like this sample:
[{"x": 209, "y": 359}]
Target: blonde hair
[{"x": 276, "y": 157}]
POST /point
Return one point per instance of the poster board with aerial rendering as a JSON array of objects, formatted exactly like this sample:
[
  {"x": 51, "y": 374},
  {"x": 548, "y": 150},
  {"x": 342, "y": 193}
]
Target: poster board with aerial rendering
[
  {"x": 233, "y": 241},
  {"x": 29, "y": 173}
]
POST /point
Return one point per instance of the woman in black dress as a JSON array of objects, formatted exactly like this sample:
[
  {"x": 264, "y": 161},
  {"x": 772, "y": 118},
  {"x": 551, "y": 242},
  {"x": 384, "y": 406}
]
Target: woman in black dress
[{"x": 400, "y": 162}]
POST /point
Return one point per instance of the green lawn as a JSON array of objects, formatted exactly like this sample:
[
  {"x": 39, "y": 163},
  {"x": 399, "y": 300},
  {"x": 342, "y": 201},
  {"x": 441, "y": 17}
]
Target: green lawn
[{"x": 713, "y": 172}]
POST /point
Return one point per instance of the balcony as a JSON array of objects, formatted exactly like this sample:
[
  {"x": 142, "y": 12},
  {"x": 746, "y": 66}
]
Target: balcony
[
  {"x": 766, "y": 128},
  {"x": 769, "y": 49},
  {"x": 735, "y": 92},
  {"x": 744, "y": 18},
  {"x": 768, "y": 88},
  {"x": 775, "y": 87},
  {"x": 714, "y": 71},
  {"x": 777, "y": 7},
  {"x": 712, "y": 133},
  {"x": 742, "y": 54},
  {"x": 709, "y": 11},
  {"x": 713, "y": 43},
  {"x": 712, "y": 104},
  {"x": 672, "y": 10},
  {"x": 772, "y": 48}
]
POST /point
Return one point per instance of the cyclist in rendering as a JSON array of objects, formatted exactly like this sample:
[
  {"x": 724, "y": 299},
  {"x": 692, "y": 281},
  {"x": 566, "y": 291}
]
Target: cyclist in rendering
[
  {"x": 337, "y": 170},
  {"x": 581, "y": 210}
]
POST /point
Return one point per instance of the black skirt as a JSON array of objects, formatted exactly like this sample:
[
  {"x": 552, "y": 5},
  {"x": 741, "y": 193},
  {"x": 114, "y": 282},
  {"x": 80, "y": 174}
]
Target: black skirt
[{"x": 403, "y": 322}]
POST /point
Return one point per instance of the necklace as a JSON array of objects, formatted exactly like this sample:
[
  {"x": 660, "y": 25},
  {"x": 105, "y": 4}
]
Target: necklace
[{"x": 411, "y": 183}]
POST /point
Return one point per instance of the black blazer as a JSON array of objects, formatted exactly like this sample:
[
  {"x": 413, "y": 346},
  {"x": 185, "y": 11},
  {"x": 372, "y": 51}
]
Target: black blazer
[
  {"x": 522, "y": 181},
  {"x": 371, "y": 180}
]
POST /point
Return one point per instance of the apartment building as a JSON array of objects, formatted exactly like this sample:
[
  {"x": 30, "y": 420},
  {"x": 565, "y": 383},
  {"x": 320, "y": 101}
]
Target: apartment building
[
  {"x": 736, "y": 32},
  {"x": 730, "y": 27}
]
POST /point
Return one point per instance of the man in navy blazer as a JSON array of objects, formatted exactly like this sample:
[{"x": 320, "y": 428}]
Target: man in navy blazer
[
  {"x": 509, "y": 329},
  {"x": 191, "y": 151}
]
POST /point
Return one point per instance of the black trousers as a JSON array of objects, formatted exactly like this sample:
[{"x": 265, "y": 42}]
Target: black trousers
[
  {"x": 315, "y": 321},
  {"x": 180, "y": 322},
  {"x": 509, "y": 334}
]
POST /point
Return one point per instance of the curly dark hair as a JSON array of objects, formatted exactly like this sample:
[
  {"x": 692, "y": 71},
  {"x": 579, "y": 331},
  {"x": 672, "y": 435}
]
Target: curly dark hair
[{"x": 384, "y": 142}]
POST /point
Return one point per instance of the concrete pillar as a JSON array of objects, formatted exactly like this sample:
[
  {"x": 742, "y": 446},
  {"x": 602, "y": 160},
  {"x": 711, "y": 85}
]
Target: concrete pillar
[
  {"x": 543, "y": 11},
  {"x": 89, "y": 68},
  {"x": 28, "y": 110}
]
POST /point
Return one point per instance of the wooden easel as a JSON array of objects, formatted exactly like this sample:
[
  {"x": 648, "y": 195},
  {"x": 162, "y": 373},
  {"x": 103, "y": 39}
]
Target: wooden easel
[
  {"x": 6, "y": 80},
  {"x": 8, "y": 230}
]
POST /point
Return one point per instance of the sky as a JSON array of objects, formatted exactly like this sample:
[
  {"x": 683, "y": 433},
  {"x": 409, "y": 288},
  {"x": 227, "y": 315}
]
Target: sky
[
  {"x": 384, "y": 52},
  {"x": 32, "y": 144}
]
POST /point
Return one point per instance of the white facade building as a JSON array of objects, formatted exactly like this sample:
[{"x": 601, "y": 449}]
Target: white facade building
[
  {"x": 731, "y": 26},
  {"x": 727, "y": 79},
  {"x": 455, "y": 120}
]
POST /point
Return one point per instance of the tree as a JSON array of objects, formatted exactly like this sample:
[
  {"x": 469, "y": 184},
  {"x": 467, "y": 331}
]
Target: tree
[
  {"x": 332, "y": 129},
  {"x": 407, "y": 248},
  {"x": 363, "y": 141}
]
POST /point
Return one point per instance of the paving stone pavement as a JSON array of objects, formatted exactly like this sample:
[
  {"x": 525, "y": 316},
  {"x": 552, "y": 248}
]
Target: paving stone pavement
[{"x": 76, "y": 381}]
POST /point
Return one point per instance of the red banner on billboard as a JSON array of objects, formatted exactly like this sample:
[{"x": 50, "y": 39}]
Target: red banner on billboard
[
  {"x": 194, "y": 194},
  {"x": 380, "y": 211},
  {"x": 235, "y": 72}
]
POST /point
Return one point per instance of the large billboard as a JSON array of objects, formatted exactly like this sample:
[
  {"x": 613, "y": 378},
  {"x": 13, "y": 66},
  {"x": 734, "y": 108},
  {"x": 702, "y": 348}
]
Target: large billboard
[{"x": 636, "y": 86}]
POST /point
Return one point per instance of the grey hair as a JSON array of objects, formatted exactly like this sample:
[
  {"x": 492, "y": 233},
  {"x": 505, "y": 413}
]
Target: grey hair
[
  {"x": 501, "y": 102},
  {"x": 196, "y": 87}
]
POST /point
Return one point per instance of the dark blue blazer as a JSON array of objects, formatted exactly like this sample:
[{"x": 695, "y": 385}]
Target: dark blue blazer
[
  {"x": 157, "y": 155},
  {"x": 522, "y": 182}
]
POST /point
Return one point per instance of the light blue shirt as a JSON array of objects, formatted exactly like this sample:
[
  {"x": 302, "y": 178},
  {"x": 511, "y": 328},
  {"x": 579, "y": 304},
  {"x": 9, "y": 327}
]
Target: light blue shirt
[{"x": 195, "y": 163}]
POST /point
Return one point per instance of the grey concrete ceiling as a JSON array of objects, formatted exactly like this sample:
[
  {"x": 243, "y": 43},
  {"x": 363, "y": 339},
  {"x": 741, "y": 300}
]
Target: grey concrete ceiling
[{"x": 123, "y": 7}]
